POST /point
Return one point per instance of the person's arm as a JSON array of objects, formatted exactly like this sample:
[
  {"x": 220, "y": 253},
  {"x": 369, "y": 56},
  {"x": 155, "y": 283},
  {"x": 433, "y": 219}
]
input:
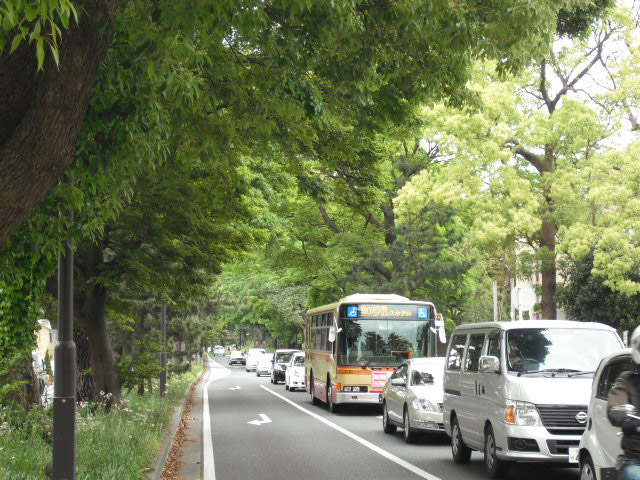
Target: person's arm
[{"x": 619, "y": 407}]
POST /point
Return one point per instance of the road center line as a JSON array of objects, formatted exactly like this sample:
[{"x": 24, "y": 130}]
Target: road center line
[
  {"x": 390, "y": 456},
  {"x": 208, "y": 465}
]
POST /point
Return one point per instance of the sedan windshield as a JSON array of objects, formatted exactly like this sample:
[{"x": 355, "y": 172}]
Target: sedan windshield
[
  {"x": 427, "y": 374},
  {"x": 558, "y": 350},
  {"x": 381, "y": 342}
]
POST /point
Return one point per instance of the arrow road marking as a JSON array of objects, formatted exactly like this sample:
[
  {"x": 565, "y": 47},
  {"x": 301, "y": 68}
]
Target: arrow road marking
[
  {"x": 264, "y": 418},
  {"x": 237, "y": 387}
]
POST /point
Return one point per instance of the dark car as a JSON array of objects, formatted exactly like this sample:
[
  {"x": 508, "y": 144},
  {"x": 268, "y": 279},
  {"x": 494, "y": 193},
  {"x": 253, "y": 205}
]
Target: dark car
[
  {"x": 282, "y": 358},
  {"x": 237, "y": 358}
]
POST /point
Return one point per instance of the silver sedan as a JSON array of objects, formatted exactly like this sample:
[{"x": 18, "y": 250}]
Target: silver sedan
[{"x": 412, "y": 398}]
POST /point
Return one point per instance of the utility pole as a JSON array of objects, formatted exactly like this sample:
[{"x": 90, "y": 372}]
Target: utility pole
[
  {"x": 64, "y": 387},
  {"x": 163, "y": 355}
]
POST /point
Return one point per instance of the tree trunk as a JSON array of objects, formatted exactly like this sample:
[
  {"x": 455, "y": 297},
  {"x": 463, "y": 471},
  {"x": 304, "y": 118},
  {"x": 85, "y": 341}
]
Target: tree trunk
[
  {"x": 85, "y": 383},
  {"x": 548, "y": 246},
  {"x": 41, "y": 113},
  {"x": 93, "y": 314}
]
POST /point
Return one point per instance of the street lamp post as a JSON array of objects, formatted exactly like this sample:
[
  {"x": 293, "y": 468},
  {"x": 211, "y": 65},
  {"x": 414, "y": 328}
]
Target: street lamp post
[{"x": 64, "y": 387}]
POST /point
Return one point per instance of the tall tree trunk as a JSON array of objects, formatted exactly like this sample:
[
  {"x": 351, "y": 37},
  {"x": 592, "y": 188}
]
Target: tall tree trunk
[
  {"x": 95, "y": 323},
  {"x": 85, "y": 383},
  {"x": 548, "y": 245},
  {"x": 41, "y": 113}
]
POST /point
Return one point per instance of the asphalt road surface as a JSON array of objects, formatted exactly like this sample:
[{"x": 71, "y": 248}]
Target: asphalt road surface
[{"x": 262, "y": 431}]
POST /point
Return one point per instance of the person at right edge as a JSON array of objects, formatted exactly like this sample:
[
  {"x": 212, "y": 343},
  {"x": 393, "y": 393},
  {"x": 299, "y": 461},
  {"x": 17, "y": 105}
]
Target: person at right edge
[{"x": 623, "y": 410}]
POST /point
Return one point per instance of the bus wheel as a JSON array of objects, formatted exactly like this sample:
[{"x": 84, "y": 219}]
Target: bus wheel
[
  {"x": 333, "y": 408},
  {"x": 314, "y": 400}
]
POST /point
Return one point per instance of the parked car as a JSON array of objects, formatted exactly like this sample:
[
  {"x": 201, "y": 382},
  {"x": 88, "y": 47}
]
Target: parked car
[
  {"x": 218, "y": 350},
  {"x": 282, "y": 358},
  {"x": 252, "y": 358},
  {"x": 412, "y": 398},
  {"x": 518, "y": 391},
  {"x": 600, "y": 443},
  {"x": 237, "y": 358},
  {"x": 294, "y": 374},
  {"x": 265, "y": 364}
]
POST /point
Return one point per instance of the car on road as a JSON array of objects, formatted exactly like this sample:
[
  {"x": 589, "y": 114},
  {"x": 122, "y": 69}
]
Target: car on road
[
  {"x": 282, "y": 357},
  {"x": 264, "y": 365},
  {"x": 218, "y": 350},
  {"x": 518, "y": 391},
  {"x": 412, "y": 398},
  {"x": 294, "y": 374},
  {"x": 600, "y": 443},
  {"x": 237, "y": 358},
  {"x": 252, "y": 358}
]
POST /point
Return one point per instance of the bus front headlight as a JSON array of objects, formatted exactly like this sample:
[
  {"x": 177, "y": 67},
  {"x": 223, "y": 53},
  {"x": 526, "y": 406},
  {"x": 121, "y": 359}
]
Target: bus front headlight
[
  {"x": 522, "y": 413},
  {"x": 423, "y": 404}
]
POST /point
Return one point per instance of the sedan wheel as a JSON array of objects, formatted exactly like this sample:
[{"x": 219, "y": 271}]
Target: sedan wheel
[
  {"x": 409, "y": 435},
  {"x": 386, "y": 426},
  {"x": 587, "y": 471}
]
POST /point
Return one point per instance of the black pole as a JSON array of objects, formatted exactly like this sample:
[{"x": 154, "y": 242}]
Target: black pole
[
  {"x": 163, "y": 355},
  {"x": 64, "y": 387}
]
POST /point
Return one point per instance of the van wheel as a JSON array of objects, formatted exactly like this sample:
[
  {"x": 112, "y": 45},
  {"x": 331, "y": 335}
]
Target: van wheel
[
  {"x": 386, "y": 425},
  {"x": 408, "y": 435},
  {"x": 461, "y": 453},
  {"x": 495, "y": 467},
  {"x": 587, "y": 471},
  {"x": 314, "y": 400}
]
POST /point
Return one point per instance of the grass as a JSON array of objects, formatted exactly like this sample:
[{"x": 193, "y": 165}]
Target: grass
[{"x": 120, "y": 445}]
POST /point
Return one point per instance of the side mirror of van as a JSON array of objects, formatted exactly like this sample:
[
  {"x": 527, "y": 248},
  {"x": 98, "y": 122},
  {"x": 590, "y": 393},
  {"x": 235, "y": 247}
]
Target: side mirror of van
[{"x": 489, "y": 364}]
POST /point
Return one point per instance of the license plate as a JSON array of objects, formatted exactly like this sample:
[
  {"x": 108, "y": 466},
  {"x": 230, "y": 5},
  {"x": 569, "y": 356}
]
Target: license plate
[{"x": 573, "y": 455}]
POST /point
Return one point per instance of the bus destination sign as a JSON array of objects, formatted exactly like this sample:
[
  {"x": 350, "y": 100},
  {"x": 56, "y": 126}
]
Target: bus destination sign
[{"x": 390, "y": 311}]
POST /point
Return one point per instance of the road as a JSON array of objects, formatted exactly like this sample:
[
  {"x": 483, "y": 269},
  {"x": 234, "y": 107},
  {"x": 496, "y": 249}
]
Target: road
[{"x": 261, "y": 431}]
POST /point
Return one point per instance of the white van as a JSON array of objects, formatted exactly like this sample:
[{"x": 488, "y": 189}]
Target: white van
[
  {"x": 252, "y": 358},
  {"x": 518, "y": 391}
]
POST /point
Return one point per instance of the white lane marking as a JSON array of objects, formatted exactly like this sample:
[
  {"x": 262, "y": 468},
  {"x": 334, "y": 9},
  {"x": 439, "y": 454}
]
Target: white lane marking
[
  {"x": 208, "y": 465},
  {"x": 264, "y": 418},
  {"x": 237, "y": 387},
  {"x": 403, "y": 463}
]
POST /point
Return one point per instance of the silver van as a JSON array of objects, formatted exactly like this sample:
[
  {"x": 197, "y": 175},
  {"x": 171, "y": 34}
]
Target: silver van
[{"x": 519, "y": 391}]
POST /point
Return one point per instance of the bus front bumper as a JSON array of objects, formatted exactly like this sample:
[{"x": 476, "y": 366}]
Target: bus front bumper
[{"x": 358, "y": 397}]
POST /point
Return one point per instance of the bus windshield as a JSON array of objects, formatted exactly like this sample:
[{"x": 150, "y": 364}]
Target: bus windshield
[{"x": 381, "y": 342}]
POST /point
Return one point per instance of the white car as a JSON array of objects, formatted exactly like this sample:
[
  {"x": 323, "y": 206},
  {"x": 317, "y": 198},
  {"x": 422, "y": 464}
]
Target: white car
[
  {"x": 600, "y": 443},
  {"x": 218, "y": 350},
  {"x": 265, "y": 364},
  {"x": 252, "y": 358},
  {"x": 412, "y": 398},
  {"x": 294, "y": 374},
  {"x": 237, "y": 358}
]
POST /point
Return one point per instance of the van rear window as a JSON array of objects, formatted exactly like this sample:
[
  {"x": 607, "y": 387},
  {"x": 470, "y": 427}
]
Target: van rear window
[{"x": 456, "y": 351}]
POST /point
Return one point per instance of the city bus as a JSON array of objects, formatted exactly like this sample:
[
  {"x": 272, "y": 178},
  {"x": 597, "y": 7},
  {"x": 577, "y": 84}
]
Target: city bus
[{"x": 353, "y": 346}]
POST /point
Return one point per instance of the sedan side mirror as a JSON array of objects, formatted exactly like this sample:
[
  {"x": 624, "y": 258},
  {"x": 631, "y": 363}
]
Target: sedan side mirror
[
  {"x": 489, "y": 364},
  {"x": 399, "y": 382}
]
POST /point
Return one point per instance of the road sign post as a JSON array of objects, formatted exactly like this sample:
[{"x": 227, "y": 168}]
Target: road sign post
[
  {"x": 523, "y": 298},
  {"x": 64, "y": 387}
]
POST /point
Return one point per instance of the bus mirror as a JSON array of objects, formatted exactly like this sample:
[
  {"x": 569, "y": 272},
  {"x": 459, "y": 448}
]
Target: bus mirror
[
  {"x": 442, "y": 334},
  {"x": 332, "y": 333}
]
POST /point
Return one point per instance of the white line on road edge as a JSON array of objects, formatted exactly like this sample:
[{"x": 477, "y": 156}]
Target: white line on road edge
[
  {"x": 208, "y": 465},
  {"x": 403, "y": 463}
]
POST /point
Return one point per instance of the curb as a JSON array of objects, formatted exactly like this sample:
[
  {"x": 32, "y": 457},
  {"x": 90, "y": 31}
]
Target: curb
[{"x": 156, "y": 473}]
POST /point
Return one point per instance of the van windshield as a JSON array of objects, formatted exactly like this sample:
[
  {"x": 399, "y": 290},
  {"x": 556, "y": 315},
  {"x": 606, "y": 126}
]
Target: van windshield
[{"x": 558, "y": 350}]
